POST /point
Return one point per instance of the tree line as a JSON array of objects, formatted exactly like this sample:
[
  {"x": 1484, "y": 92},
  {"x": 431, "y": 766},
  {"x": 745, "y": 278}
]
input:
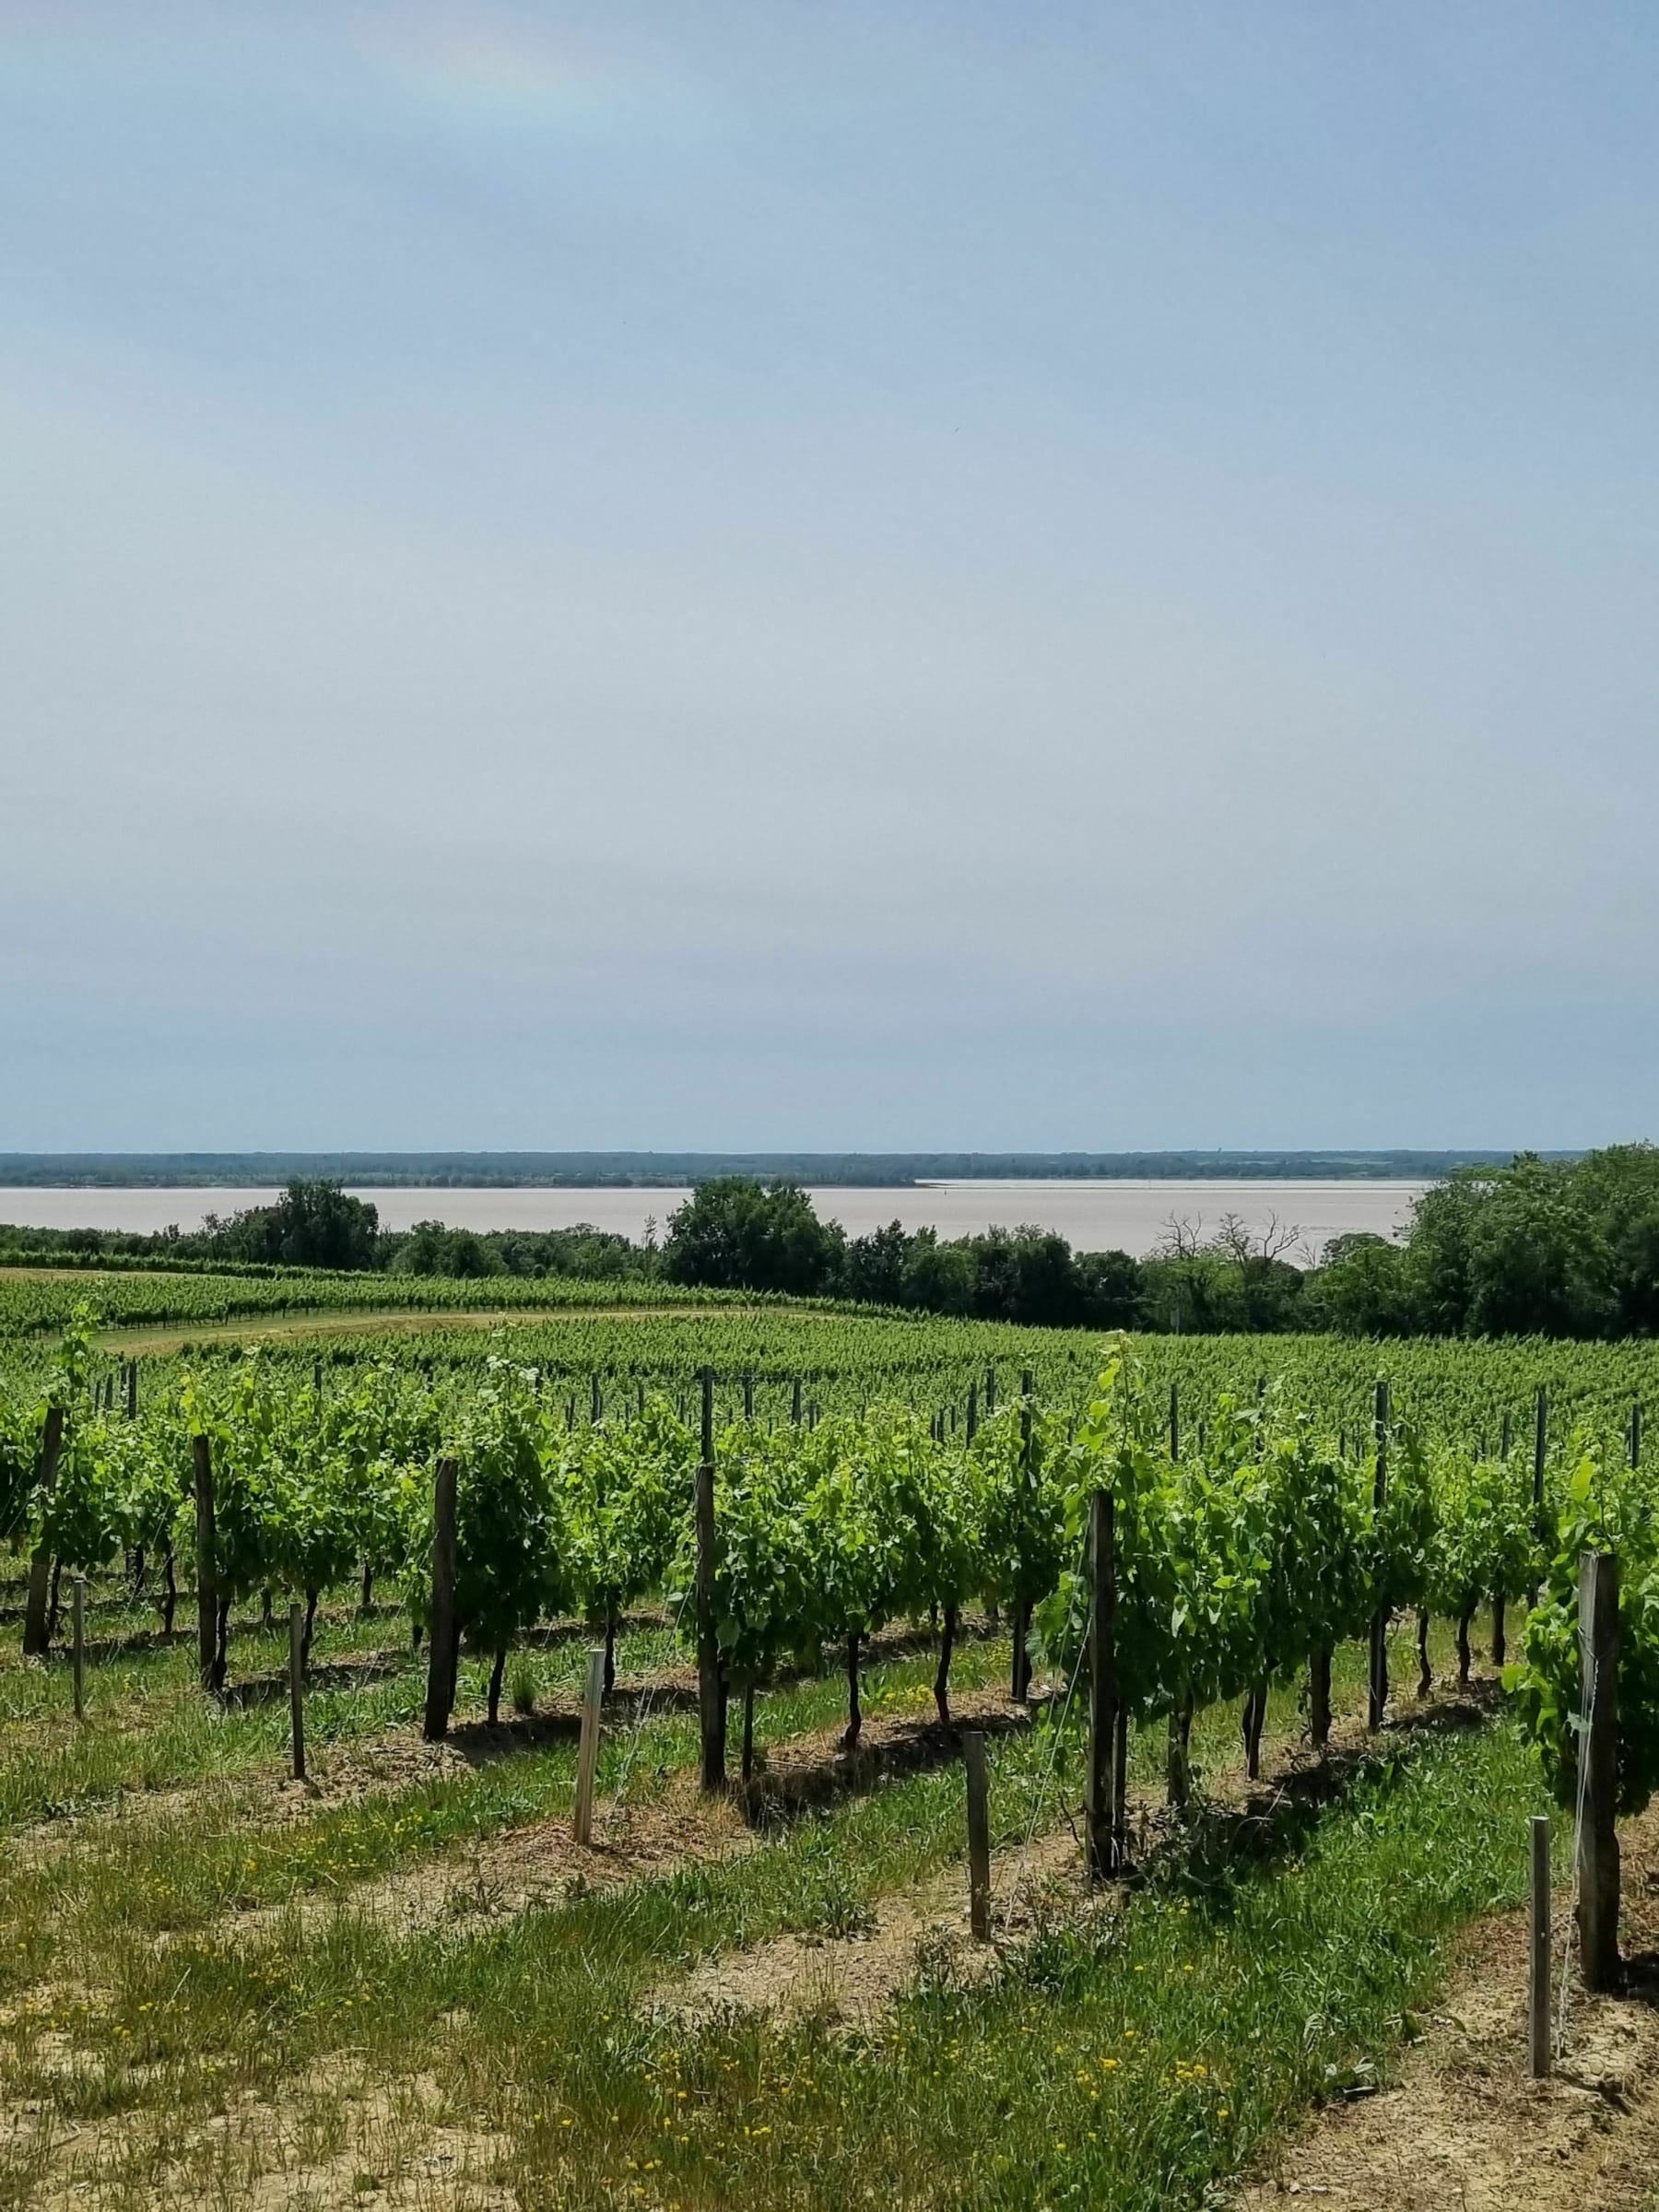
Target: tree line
[{"x": 1537, "y": 1247}]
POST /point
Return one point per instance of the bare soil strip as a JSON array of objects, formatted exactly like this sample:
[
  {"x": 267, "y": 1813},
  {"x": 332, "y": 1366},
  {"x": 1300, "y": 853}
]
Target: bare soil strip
[
  {"x": 1465, "y": 2126},
  {"x": 848, "y": 1980},
  {"x": 361, "y": 2142},
  {"x": 541, "y": 1865}
]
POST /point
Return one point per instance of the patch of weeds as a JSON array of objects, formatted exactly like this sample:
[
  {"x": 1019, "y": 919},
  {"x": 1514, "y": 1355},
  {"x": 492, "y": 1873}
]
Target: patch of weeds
[{"x": 520, "y": 1688}]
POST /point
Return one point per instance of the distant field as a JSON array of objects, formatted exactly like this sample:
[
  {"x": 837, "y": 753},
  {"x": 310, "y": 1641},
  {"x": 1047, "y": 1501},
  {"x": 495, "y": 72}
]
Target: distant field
[
  {"x": 655, "y": 1333},
  {"x": 33, "y": 1300}
]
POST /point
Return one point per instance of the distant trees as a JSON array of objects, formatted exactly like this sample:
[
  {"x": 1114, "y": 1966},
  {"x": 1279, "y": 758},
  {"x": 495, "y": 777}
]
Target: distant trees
[
  {"x": 1554, "y": 1248},
  {"x": 1536, "y": 1247},
  {"x": 312, "y": 1225},
  {"x": 736, "y": 1234}
]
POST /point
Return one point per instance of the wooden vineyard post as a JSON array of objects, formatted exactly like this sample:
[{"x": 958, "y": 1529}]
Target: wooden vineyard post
[
  {"x": 1120, "y": 1788},
  {"x": 1540, "y": 1446},
  {"x": 1379, "y": 1627},
  {"x": 297, "y": 1687},
  {"x": 990, "y": 1392},
  {"x": 131, "y": 1390},
  {"x": 1102, "y": 1686},
  {"x": 587, "y": 1757},
  {"x": 1538, "y": 1993},
  {"x": 35, "y": 1638},
  {"x": 442, "y": 1647},
  {"x": 1540, "y": 1459},
  {"x": 748, "y": 1395},
  {"x": 972, "y": 1422},
  {"x": 1178, "y": 1757},
  {"x": 79, "y": 1603},
  {"x": 207, "y": 1568},
  {"x": 710, "y": 1689},
  {"x": 1319, "y": 1698},
  {"x": 1020, "y": 1613},
  {"x": 795, "y": 1404},
  {"x": 978, "y": 1836},
  {"x": 1540, "y": 1454},
  {"x": 1598, "y": 1844}
]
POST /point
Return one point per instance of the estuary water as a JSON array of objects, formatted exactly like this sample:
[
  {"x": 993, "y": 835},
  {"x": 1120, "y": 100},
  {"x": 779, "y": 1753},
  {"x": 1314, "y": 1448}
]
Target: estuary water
[{"x": 1093, "y": 1217}]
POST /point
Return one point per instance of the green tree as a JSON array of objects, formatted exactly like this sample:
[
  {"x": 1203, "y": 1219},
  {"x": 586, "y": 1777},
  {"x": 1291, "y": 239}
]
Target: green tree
[
  {"x": 314, "y": 1224},
  {"x": 736, "y": 1234}
]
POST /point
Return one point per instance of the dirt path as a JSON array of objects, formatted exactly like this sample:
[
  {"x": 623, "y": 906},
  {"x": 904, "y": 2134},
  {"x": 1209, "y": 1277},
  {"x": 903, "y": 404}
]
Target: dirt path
[
  {"x": 1466, "y": 2127},
  {"x": 540, "y": 1866},
  {"x": 848, "y": 1979}
]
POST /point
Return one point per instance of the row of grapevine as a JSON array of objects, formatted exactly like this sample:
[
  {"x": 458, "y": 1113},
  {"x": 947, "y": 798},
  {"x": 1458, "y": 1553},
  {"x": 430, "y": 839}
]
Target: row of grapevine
[
  {"x": 1251, "y": 1539},
  {"x": 1249, "y": 1543}
]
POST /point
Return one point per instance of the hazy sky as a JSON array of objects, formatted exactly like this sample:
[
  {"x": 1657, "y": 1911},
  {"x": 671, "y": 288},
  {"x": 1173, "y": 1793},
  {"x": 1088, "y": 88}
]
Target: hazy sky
[{"x": 832, "y": 575}]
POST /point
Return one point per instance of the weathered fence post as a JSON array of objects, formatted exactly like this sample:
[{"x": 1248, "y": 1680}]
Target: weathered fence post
[
  {"x": 1598, "y": 1844},
  {"x": 35, "y": 1636},
  {"x": 978, "y": 1836},
  {"x": 1540, "y": 1456},
  {"x": 587, "y": 1757},
  {"x": 1103, "y": 1684},
  {"x": 1319, "y": 1698},
  {"x": 1020, "y": 1616},
  {"x": 710, "y": 1688},
  {"x": 1120, "y": 1788},
  {"x": 443, "y": 1646},
  {"x": 1379, "y": 1627},
  {"x": 297, "y": 1687},
  {"x": 1538, "y": 2007},
  {"x": 79, "y": 1603},
  {"x": 207, "y": 1568}
]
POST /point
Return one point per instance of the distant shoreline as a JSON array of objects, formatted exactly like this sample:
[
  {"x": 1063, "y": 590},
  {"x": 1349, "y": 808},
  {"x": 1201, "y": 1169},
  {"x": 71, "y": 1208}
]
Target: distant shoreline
[{"x": 669, "y": 1171}]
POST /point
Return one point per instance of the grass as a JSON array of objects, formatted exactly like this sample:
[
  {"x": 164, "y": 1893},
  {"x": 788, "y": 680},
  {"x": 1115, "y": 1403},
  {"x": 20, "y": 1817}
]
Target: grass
[
  {"x": 1133, "y": 2056},
  {"x": 1132, "y": 2061}
]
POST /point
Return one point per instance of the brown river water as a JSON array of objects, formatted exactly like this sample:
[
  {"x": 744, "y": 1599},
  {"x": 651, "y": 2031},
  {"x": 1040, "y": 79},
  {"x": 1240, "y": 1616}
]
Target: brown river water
[{"x": 1093, "y": 1217}]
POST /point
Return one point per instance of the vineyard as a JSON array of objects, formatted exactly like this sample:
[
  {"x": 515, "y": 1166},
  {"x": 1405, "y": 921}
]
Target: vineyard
[{"x": 811, "y": 1549}]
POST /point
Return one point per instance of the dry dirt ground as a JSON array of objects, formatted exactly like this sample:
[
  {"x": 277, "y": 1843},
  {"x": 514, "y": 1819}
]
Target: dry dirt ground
[
  {"x": 1466, "y": 2127},
  {"x": 849, "y": 1980},
  {"x": 1462, "y": 2127}
]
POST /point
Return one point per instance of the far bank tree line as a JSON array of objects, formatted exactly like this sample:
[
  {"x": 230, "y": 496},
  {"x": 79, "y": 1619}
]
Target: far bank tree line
[{"x": 1539, "y": 1247}]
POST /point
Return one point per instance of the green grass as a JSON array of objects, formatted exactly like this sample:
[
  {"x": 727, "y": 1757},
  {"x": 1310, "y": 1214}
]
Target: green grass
[
  {"x": 1130, "y": 2057},
  {"x": 1131, "y": 2060}
]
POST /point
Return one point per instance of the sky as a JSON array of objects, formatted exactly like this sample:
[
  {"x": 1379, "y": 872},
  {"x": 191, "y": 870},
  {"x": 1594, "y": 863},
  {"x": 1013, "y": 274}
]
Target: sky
[{"x": 880, "y": 575}]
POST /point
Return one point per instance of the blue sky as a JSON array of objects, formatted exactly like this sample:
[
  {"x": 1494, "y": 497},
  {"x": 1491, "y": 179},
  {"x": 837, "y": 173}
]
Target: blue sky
[{"x": 868, "y": 575}]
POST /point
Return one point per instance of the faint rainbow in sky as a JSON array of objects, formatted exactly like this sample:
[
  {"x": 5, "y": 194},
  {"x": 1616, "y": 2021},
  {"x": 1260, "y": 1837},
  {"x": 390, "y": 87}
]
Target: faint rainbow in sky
[{"x": 504, "y": 71}]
